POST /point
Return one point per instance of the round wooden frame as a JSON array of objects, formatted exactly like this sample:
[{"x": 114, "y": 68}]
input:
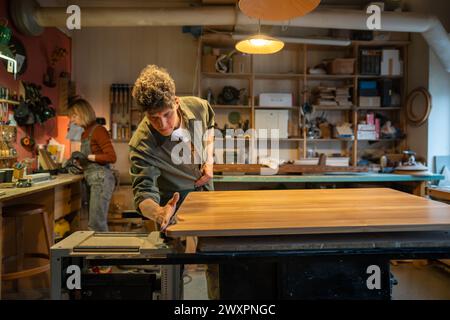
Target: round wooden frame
[{"x": 411, "y": 116}]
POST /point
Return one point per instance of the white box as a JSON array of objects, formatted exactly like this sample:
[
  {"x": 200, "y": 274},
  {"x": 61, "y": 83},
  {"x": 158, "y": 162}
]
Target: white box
[
  {"x": 272, "y": 119},
  {"x": 370, "y": 101},
  {"x": 367, "y": 135},
  {"x": 390, "y": 63},
  {"x": 366, "y": 127},
  {"x": 332, "y": 162},
  {"x": 275, "y": 99}
]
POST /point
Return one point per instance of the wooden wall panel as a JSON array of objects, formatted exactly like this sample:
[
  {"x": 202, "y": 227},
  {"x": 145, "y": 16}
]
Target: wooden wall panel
[{"x": 102, "y": 56}]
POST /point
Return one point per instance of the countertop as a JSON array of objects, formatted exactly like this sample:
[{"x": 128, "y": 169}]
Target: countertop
[{"x": 60, "y": 180}]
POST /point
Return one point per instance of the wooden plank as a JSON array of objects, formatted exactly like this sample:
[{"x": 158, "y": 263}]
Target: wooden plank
[
  {"x": 358, "y": 177},
  {"x": 281, "y": 212},
  {"x": 440, "y": 194},
  {"x": 284, "y": 169}
]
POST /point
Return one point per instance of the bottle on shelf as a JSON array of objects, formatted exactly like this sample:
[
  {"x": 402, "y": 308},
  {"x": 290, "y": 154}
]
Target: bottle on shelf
[{"x": 114, "y": 131}]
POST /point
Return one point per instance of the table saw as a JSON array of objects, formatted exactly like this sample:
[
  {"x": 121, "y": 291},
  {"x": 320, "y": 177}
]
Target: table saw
[{"x": 289, "y": 244}]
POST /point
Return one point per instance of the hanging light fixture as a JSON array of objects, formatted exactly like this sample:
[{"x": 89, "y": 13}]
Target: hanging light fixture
[
  {"x": 259, "y": 44},
  {"x": 276, "y": 9}
]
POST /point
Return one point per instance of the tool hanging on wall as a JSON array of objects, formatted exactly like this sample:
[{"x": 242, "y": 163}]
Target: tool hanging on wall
[{"x": 121, "y": 102}]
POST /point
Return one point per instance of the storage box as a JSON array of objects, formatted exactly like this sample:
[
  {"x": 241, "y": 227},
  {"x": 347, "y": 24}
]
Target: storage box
[
  {"x": 272, "y": 119},
  {"x": 390, "y": 63},
  {"x": 367, "y": 135},
  {"x": 370, "y": 101},
  {"x": 343, "y": 131},
  {"x": 241, "y": 63},
  {"x": 366, "y": 127},
  {"x": 209, "y": 63},
  {"x": 332, "y": 162},
  {"x": 368, "y": 89},
  {"x": 275, "y": 99},
  {"x": 341, "y": 66},
  {"x": 370, "y": 118}
]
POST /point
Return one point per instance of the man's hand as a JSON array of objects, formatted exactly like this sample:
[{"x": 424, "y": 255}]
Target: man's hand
[
  {"x": 91, "y": 157},
  {"x": 167, "y": 212},
  {"x": 207, "y": 174}
]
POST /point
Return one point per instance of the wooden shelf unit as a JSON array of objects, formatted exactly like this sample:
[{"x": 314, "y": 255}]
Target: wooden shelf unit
[{"x": 288, "y": 69}]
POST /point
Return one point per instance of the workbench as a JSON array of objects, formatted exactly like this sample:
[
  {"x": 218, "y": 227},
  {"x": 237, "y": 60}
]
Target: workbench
[
  {"x": 61, "y": 196},
  {"x": 415, "y": 183},
  {"x": 290, "y": 244},
  {"x": 319, "y": 240}
]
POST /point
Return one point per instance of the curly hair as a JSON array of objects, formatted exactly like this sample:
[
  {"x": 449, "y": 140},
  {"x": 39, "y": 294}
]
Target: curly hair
[{"x": 154, "y": 90}]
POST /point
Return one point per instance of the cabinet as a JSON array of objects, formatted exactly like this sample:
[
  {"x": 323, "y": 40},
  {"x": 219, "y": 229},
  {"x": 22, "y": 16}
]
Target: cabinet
[{"x": 289, "y": 72}]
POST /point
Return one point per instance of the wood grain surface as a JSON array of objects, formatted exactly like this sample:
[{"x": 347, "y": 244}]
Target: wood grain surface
[
  {"x": 60, "y": 180},
  {"x": 281, "y": 212},
  {"x": 283, "y": 169}
]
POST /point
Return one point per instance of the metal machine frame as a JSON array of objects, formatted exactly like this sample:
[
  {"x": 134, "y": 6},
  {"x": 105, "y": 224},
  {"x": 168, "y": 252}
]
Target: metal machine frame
[{"x": 154, "y": 249}]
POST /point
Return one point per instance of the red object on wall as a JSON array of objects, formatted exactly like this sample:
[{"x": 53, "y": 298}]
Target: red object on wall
[{"x": 39, "y": 50}]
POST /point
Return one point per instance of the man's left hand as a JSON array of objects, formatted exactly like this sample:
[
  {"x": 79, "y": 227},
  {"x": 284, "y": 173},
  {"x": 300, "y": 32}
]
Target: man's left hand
[{"x": 207, "y": 174}]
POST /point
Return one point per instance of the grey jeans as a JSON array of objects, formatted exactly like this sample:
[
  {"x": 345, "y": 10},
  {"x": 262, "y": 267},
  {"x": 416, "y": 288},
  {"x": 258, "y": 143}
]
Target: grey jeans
[{"x": 101, "y": 183}]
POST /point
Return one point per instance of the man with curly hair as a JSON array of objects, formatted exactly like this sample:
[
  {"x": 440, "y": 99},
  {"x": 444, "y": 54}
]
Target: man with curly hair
[{"x": 159, "y": 184}]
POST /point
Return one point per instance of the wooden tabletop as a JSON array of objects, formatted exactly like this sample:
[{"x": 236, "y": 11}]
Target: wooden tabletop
[
  {"x": 60, "y": 180},
  {"x": 282, "y": 212}
]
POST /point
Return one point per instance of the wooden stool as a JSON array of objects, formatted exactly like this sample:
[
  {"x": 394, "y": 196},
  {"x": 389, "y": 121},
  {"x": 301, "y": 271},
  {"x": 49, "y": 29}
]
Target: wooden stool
[{"x": 18, "y": 212}]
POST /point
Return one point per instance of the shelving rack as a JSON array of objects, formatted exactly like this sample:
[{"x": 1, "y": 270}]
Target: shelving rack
[{"x": 290, "y": 66}]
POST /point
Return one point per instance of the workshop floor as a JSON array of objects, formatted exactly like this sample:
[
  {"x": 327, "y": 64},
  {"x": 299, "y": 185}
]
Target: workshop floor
[{"x": 415, "y": 282}]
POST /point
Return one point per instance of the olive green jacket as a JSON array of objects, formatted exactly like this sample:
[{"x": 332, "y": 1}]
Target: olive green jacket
[{"x": 153, "y": 173}]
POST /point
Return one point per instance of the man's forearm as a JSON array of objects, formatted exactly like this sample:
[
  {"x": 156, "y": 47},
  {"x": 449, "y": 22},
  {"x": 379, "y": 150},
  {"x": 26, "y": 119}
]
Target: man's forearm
[
  {"x": 210, "y": 148},
  {"x": 151, "y": 210}
]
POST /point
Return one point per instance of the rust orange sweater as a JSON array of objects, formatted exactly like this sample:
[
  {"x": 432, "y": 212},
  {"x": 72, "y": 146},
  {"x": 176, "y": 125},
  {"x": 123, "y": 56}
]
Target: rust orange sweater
[{"x": 101, "y": 145}]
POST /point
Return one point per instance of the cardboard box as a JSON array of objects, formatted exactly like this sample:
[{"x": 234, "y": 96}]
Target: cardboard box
[
  {"x": 209, "y": 63},
  {"x": 241, "y": 63},
  {"x": 370, "y": 101},
  {"x": 343, "y": 131}
]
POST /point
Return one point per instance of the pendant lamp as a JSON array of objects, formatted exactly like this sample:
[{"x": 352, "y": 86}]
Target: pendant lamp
[
  {"x": 259, "y": 44},
  {"x": 277, "y": 10}
]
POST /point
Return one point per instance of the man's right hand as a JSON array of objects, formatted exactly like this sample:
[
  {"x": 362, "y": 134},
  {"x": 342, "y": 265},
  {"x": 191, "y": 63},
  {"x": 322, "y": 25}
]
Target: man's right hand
[{"x": 168, "y": 211}]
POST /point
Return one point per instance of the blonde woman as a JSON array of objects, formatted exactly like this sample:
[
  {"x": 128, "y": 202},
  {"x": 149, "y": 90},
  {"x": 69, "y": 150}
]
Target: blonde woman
[{"x": 99, "y": 153}]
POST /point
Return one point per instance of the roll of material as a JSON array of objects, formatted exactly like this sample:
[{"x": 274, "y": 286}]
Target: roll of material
[{"x": 114, "y": 131}]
